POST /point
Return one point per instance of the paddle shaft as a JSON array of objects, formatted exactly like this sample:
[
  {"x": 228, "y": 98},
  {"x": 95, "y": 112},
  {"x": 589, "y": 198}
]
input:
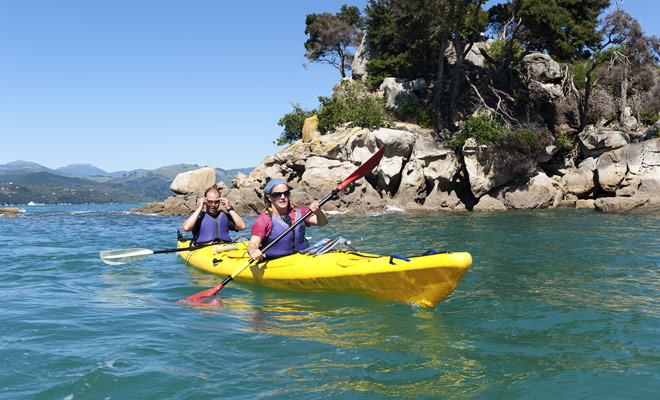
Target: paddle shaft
[{"x": 186, "y": 248}]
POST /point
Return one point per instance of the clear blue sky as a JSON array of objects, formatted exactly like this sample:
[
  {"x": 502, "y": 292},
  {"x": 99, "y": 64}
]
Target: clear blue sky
[{"x": 128, "y": 84}]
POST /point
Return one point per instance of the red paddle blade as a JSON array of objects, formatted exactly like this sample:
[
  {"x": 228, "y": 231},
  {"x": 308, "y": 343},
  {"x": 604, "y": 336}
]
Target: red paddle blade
[
  {"x": 202, "y": 295},
  {"x": 363, "y": 169}
]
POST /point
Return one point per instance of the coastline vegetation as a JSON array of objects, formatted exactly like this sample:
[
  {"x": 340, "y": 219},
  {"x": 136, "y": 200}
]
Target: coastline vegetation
[{"x": 610, "y": 67}]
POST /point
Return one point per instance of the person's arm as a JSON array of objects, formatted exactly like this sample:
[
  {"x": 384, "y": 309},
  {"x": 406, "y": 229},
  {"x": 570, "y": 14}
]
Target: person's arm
[
  {"x": 238, "y": 221},
  {"x": 318, "y": 218},
  {"x": 190, "y": 222},
  {"x": 253, "y": 247},
  {"x": 260, "y": 229}
]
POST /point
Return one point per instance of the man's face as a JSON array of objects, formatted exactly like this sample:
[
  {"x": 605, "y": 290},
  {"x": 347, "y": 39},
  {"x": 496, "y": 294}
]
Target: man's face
[{"x": 212, "y": 202}]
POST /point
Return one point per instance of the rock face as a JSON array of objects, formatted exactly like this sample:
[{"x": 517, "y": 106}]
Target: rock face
[
  {"x": 188, "y": 194},
  {"x": 536, "y": 192},
  {"x": 623, "y": 171},
  {"x": 579, "y": 182},
  {"x": 193, "y": 181},
  {"x": 364, "y": 53},
  {"x": 479, "y": 166},
  {"x": 541, "y": 67},
  {"x": 473, "y": 56},
  {"x": 310, "y": 129},
  {"x": 9, "y": 212},
  {"x": 594, "y": 142},
  {"x": 544, "y": 77},
  {"x": 418, "y": 173},
  {"x": 315, "y": 168},
  {"x": 398, "y": 92}
]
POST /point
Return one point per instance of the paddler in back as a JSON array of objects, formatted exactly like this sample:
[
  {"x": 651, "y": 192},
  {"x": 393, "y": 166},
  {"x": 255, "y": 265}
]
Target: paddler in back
[
  {"x": 278, "y": 216},
  {"x": 213, "y": 225}
]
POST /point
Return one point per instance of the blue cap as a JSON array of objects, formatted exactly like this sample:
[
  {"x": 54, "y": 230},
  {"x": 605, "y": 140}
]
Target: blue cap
[{"x": 272, "y": 183}]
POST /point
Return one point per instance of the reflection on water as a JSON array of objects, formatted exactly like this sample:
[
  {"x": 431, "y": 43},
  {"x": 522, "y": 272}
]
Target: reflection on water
[{"x": 369, "y": 344}]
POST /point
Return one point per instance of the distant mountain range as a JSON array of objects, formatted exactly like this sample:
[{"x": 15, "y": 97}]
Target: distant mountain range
[
  {"x": 22, "y": 182},
  {"x": 91, "y": 170}
]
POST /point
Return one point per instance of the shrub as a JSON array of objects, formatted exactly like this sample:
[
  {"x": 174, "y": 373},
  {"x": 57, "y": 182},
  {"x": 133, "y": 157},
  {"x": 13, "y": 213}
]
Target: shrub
[
  {"x": 512, "y": 158},
  {"x": 516, "y": 152},
  {"x": 426, "y": 116},
  {"x": 483, "y": 128},
  {"x": 649, "y": 117},
  {"x": 353, "y": 106},
  {"x": 565, "y": 140},
  {"x": 528, "y": 140},
  {"x": 293, "y": 123}
]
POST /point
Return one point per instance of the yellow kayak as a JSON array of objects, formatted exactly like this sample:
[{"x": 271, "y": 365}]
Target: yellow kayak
[{"x": 424, "y": 280}]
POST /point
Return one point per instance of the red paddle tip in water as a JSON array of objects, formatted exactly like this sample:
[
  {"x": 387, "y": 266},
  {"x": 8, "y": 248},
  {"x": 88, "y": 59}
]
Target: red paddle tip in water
[{"x": 202, "y": 295}]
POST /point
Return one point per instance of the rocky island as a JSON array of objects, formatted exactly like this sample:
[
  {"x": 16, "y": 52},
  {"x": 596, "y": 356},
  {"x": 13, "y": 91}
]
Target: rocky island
[
  {"x": 512, "y": 123},
  {"x": 419, "y": 173}
]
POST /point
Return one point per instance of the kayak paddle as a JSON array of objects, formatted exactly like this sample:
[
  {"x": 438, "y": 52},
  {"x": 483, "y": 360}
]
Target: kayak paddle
[
  {"x": 362, "y": 170},
  {"x": 123, "y": 256}
]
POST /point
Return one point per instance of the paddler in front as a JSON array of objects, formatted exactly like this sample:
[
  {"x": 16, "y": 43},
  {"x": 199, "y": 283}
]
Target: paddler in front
[
  {"x": 278, "y": 216},
  {"x": 213, "y": 225}
]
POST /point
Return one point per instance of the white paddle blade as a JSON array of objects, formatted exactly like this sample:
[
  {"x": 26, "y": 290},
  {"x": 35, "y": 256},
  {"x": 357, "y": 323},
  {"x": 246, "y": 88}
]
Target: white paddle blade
[{"x": 118, "y": 257}]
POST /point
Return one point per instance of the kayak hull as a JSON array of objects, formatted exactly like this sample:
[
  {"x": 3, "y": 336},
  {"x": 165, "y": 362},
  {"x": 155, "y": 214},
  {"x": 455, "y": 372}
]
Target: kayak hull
[{"x": 423, "y": 280}]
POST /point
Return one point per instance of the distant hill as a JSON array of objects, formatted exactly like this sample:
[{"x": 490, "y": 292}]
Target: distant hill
[
  {"x": 81, "y": 170},
  {"x": 23, "y": 181},
  {"x": 23, "y": 186},
  {"x": 121, "y": 174},
  {"x": 18, "y": 165}
]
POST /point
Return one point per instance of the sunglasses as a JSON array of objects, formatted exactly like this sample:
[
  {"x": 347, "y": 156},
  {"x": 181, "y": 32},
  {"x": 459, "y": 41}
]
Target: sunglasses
[
  {"x": 280, "y": 194},
  {"x": 213, "y": 201}
]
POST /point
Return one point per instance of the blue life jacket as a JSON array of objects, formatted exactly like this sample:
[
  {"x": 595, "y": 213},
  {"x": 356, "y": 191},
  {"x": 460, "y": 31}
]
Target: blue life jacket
[
  {"x": 294, "y": 241},
  {"x": 212, "y": 229}
]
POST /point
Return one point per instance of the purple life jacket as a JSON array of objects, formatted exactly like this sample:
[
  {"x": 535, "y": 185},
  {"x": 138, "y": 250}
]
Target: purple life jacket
[
  {"x": 213, "y": 229},
  {"x": 293, "y": 242}
]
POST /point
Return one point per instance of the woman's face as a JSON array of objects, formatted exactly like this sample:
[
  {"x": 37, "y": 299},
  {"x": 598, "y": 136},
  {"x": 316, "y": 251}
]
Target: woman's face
[{"x": 279, "y": 196}]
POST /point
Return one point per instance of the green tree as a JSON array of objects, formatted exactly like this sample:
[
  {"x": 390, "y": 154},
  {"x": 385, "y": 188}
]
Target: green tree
[
  {"x": 331, "y": 37},
  {"x": 566, "y": 29},
  {"x": 403, "y": 40},
  {"x": 501, "y": 52},
  {"x": 411, "y": 38}
]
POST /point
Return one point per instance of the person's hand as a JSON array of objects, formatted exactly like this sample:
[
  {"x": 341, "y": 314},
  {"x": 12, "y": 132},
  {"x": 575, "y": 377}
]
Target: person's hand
[
  {"x": 225, "y": 202},
  {"x": 314, "y": 207},
  {"x": 201, "y": 202},
  {"x": 256, "y": 254}
]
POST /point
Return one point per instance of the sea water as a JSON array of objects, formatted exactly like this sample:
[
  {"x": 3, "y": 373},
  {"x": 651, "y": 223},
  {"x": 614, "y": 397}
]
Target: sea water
[{"x": 557, "y": 304}]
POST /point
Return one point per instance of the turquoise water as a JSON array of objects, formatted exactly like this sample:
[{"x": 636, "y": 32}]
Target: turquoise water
[{"x": 557, "y": 304}]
